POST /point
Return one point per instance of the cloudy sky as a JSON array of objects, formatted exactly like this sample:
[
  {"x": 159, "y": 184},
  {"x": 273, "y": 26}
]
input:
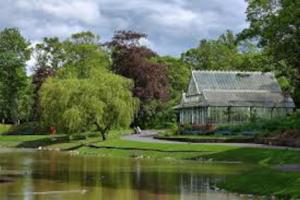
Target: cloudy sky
[{"x": 172, "y": 26}]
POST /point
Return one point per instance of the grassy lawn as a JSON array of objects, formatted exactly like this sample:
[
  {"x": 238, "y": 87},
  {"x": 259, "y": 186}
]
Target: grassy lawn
[
  {"x": 113, "y": 135},
  {"x": 123, "y": 148},
  {"x": 259, "y": 156},
  {"x": 165, "y": 146},
  {"x": 265, "y": 181},
  {"x": 13, "y": 141}
]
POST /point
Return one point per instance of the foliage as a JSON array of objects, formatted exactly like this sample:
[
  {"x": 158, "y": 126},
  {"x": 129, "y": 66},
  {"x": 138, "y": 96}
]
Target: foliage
[
  {"x": 213, "y": 54},
  {"x": 265, "y": 126},
  {"x": 83, "y": 55},
  {"x": 158, "y": 115},
  {"x": 4, "y": 128},
  {"x": 26, "y": 102},
  {"x": 227, "y": 53},
  {"x": 276, "y": 26},
  {"x": 103, "y": 100},
  {"x": 27, "y": 128},
  {"x": 76, "y": 55},
  {"x": 39, "y": 77},
  {"x": 79, "y": 53},
  {"x": 132, "y": 60},
  {"x": 178, "y": 74},
  {"x": 14, "y": 52}
]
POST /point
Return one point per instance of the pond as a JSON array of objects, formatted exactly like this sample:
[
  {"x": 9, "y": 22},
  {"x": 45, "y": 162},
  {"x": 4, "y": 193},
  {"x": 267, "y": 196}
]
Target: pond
[{"x": 37, "y": 175}]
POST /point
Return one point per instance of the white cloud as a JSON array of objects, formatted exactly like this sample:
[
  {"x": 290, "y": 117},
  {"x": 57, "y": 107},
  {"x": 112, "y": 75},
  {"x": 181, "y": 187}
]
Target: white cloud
[
  {"x": 174, "y": 17},
  {"x": 86, "y": 11}
]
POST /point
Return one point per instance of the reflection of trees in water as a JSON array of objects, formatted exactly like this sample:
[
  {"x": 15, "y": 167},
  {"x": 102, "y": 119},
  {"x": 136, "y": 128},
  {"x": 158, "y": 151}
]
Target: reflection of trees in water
[
  {"x": 139, "y": 177},
  {"x": 125, "y": 174}
]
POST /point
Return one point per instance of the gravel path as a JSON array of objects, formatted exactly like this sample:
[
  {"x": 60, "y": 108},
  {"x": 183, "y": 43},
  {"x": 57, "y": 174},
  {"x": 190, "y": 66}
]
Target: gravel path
[
  {"x": 288, "y": 168},
  {"x": 147, "y": 136}
]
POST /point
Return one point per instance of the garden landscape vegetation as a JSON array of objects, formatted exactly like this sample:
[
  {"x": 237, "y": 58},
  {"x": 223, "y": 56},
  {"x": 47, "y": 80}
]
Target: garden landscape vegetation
[{"x": 66, "y": 127}]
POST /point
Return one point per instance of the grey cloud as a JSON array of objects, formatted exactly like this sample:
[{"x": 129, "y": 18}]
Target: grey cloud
[{"x": 172, "y": 25}]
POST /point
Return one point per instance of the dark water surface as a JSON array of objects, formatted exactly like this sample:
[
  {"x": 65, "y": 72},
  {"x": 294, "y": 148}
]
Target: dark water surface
[{"x": 36, "y": 175}]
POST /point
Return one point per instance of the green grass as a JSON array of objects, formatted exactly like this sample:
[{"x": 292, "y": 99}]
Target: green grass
[
  {"x": 265, "y": 181},
  {"x": 13, "y": 141},
  {"x": 136, "y": 154},
  {"x": 113, "y": 134},
  {"x": 151, "y": 150},
  {"x": 165, "y": 146},
  {"x": 257, "y": 156}
]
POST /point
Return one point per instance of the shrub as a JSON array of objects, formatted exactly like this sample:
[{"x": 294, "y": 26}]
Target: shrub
[
  {"x": 29, "y": 128},
  {"x": 267, "y": 126}
]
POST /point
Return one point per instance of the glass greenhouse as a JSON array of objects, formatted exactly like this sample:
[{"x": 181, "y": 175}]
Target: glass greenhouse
[{"x": 222, "y": 97}]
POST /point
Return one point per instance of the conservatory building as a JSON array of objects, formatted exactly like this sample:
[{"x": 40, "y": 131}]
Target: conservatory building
[{"x": 222, "y": 97}]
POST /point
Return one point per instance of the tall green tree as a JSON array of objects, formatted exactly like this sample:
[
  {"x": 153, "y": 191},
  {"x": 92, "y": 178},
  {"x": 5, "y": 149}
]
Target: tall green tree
[
  {"x": 14, "y": 52},
  {"x": 25, "y": 103},
  {"x": 275, "y": 24},
  {"x": 79, "y": 47},
  {"x": 178, "y": 73},
  {"x": 84, "y": 53},
  {"x": 74, "y": 105},
  {"x": 76, "y": 55},
  {"x": 220, "y": 54}
]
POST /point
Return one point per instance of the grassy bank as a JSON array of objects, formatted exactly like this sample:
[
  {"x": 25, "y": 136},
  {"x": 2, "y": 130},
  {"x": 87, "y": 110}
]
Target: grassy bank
[
  {"x": 14, "y": 141},
  {"x": 265, "y": 181},
  {"x": 121, "y": 148}
]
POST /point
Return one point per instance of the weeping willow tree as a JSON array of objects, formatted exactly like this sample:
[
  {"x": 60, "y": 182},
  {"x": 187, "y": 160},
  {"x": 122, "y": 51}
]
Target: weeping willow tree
[{"x": 103, "y": 100}]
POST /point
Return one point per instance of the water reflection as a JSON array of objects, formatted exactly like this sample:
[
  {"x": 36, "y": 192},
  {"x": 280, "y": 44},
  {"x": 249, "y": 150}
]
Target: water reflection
[{"x": 53, "y": 175}]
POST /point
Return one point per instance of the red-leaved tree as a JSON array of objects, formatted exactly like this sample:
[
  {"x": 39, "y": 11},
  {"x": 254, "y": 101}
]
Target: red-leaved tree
[
  {"x": 38, "y": 78},
  {"x": 132, "y": 60}
]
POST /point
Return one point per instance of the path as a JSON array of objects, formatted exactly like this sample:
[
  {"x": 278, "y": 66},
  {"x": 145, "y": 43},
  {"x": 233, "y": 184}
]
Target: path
[{"x": 147, "y": 136}]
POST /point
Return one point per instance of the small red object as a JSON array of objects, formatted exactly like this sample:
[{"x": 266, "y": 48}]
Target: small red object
[{"x": 53, "y": 130}]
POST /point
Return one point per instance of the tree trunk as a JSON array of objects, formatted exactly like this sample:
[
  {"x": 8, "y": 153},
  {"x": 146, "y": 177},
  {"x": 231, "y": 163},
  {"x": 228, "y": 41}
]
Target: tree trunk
[
  {"x": 103, "y": 136},
  {"x": 103, "y": 131}
]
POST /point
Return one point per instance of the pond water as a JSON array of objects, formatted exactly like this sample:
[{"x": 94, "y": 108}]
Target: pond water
[{"x": 36, "y": 175}]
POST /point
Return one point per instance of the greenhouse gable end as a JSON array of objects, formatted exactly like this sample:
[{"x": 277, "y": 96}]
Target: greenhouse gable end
[{"x": 219, "y": 97}]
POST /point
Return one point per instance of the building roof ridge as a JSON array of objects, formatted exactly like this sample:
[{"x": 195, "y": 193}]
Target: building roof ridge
[{"x": 231, "y": 72}]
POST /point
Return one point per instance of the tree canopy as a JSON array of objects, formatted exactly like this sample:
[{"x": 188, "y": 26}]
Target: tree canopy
[
  {"x": 275, "y": 24},
  {"x": 14, "y": 52},
  {"x": 90, "y": 96},
  {"x": 103, "y": 100}
]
